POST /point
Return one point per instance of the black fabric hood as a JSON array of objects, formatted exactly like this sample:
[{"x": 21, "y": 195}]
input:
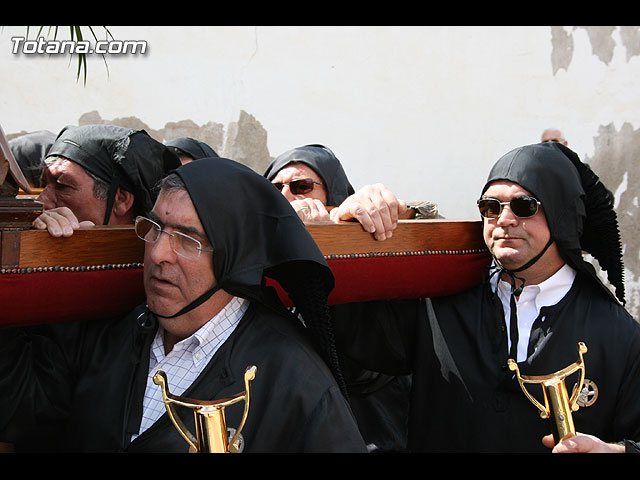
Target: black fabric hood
[
  {"x": 253, "y": 229},
  {"x": 578, "y": 207},
  {"x": 121, "y": 157},
  {"x": 192, "y": 147},
  {"x": 325, "y": 164},
  {"x": 30, "y": 151}
]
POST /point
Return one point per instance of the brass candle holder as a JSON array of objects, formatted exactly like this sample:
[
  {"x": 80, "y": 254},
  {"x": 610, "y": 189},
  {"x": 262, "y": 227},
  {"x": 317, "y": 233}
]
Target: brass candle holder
[
  {"x": 558, "y": 407},
  {"x": 212, "y": 435}
]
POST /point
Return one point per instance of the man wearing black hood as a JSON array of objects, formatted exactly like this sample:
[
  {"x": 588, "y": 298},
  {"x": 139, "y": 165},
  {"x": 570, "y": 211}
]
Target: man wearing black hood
[
  {"x": 379, "y": 401},
  {"x": 542, "y": 208},
  {"x": 313, "y": 179},
  {"x": 100, "y": 175},
  {"x": 208, "y": 317}
]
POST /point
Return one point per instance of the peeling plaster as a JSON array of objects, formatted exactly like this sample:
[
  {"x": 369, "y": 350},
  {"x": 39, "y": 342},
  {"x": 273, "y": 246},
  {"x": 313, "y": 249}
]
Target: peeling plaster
[
  {"x": 602, "y": 43},
  {"x": 245, "y": 141},
  {"x": 631, "y": 40},
  {"x": 562, "y": 51},
  {"x": 615, "y": 151},
  {"x": 615, "y": 162}
]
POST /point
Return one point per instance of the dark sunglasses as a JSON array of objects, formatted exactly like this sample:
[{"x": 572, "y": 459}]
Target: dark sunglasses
[
  {"x": 522, "y": 207},
  {"x": 298, "y": 187}
]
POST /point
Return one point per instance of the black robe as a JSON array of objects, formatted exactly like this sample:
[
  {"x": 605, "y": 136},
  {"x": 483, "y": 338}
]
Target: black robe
[
  {"x": 465, "y": 399},
  {"x": 379, "y": 402},
  {"x": 86, "y": 395}
]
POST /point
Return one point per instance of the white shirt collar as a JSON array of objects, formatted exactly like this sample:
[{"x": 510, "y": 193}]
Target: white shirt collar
[
  {"x": 206, "y": 340},
  {"x": 531, "y": 301},
  {"x": 546, "y": 293}
]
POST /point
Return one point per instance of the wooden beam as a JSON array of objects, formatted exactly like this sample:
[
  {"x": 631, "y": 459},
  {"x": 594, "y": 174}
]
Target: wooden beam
[
  {"x": 91, "y": 246},
  {"x": 411, "y": 236},
  {"x": 97, "y": 272},
  {"x": 120, "y": 245}
]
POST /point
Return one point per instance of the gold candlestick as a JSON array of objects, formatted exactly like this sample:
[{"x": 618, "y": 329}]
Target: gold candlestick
[
  {"x": 558, "y": 406},
  {"x": 211, "y": 428}
]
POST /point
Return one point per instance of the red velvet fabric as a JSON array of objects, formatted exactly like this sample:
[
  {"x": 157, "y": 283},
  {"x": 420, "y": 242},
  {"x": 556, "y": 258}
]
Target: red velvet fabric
[
  {"x": 44, "y": 297},
  {"x": 412, "y": 276}
]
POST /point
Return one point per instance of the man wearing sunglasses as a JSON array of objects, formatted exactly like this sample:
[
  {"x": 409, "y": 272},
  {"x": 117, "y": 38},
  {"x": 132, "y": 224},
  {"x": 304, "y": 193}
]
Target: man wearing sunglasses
[
  {"x": 313, "y": 179},
  {"x": 541, "y": 209},
  {"x": 208, "y": 317}
]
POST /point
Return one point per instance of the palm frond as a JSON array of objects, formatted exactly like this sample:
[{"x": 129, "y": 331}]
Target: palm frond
[{"x": 75, "y": 33}]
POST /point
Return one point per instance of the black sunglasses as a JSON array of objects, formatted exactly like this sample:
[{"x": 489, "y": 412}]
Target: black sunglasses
[
  {"x": 298, "y": 187},
  {"x": 522, "y": 207}
]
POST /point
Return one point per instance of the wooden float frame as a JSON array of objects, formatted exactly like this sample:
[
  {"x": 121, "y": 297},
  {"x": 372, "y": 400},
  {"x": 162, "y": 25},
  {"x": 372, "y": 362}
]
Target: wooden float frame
[{"x": 97, "y": 272}]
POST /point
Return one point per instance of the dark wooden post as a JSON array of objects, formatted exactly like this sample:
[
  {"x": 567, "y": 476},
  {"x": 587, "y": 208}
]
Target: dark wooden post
[{"x": 16, "y": 212}]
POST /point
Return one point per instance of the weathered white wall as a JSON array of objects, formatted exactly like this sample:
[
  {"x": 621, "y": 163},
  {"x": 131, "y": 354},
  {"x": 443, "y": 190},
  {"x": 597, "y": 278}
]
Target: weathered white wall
[{"x": 426, "y": 110}]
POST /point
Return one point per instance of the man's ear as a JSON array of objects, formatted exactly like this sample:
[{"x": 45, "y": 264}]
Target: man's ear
[{"x": 123, "y": 203}]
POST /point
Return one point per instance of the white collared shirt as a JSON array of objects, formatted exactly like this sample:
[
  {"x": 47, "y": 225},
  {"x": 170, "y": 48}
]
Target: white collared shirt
[
  {"x": 187, "y": 359},
  {"x": 531, "y": 300}
]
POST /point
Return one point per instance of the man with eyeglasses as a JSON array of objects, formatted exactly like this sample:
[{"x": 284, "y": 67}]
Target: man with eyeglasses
[
  {"x": 100, "y": 175},
  {"x": 209, "y": 314},
  {"x": 541, "y": 208}
]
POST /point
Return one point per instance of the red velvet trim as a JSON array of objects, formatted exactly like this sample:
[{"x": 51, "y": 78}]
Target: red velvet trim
[
  {"x": 412, "y": 276},
  {"x": 45, "y": 297}
]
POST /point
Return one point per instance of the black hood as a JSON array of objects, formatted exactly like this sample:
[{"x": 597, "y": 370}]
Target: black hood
[
  {"x": 254, "y": 231},
  {"x": 324, "y": 163},
  {"x": 578, "y": 207},
  {"x": 256, "y": 234},
  {"x": 192, "y": 147},
  {"x": 121, "y": 157},
  {"x": 30, "y": 150}
]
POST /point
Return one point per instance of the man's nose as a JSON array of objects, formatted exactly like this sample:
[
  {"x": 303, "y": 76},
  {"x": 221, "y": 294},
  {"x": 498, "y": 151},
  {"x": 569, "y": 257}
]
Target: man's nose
[
  {"x": 506, "y": 216},
  {"x": 47, "y": 198},
  {"x": 161, "y": 249}
]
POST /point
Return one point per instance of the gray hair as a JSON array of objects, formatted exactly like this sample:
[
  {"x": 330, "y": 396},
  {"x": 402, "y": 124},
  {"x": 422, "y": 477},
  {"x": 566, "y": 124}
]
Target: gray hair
[{"x": 170, "y": 183}]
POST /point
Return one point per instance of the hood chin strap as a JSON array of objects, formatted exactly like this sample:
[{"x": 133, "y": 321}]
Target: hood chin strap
[
  {"x": 515, "y": 292},
  {"x": 197, "y": 302}
]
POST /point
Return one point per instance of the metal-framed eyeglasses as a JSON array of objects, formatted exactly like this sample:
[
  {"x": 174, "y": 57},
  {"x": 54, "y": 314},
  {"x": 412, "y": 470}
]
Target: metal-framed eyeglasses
[
  {"x": 522, "y": 207},
  {"x": 181, "y": 243}
]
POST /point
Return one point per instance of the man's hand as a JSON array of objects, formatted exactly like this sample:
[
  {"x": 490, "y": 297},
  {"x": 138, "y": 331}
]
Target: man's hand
[
  {"x": 582, "y": 443},
  {"x": 311, "y": 210},
  {"x": 60, "y": 222},
  {"x": 375, "y": 207}
]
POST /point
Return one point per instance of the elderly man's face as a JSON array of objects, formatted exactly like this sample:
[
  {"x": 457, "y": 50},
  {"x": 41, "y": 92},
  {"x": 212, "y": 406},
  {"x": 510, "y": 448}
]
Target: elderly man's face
[
  {"x": 67, "y": 184},
  {"x": 512, "y": 240},
  {"x": 173, "y": 281},
  {"x": 298, "y": 171}
]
